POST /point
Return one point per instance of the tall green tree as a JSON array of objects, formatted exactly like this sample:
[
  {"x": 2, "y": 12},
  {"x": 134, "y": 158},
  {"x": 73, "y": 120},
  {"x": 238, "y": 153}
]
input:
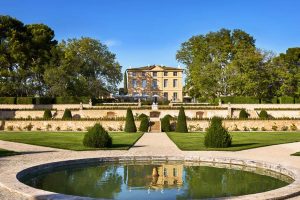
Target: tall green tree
[
  {"x": 288, "y": 72},
  {"x": 86, "y": 68},
  {"x": 224, "y": 63},
  {"x": 181, "y": 125}
]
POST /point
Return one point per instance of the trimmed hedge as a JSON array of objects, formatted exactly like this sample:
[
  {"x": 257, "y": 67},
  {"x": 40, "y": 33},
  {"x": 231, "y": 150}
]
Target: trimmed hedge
[
  {"x": 71, "y": 100},
  {"x": 217, "y": 136},
  {"x": 165, "y": 123},
  {"x": 67, "y": 114},
  {"x": 181, "y": 125},
  {"x": 44, "y": 100},
  {"x": 130, "y": 125},
  {"x": 287, "y": 100},
  {"x": 47, "y": 114},
  {"x": 239, "y": 100},
  {"x": 7, "y": 100},
  {"x": 144, "y": 124},
  {"x": 243, "y": 114},
  {"x": 97, "y": 137},
  {"x": 263, "y": 114},
  {"x": 25, "y": 100}
]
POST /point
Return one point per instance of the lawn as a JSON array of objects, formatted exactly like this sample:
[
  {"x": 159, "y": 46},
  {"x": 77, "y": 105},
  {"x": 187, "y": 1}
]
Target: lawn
[
  {"x": 4, "y": 153},
  {"x": 68, "y": 140},
  {"x": 240, "y": 140}
]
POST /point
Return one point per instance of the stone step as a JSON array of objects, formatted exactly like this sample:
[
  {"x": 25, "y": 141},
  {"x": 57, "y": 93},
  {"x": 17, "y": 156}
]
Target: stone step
[{"x": 155, "y": 126}]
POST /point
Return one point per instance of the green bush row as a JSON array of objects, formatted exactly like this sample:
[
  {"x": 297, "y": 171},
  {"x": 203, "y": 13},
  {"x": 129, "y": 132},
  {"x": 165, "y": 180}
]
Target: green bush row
[
  {"x": 43, "y": 100},
  {"x": 254, "y": 100}
]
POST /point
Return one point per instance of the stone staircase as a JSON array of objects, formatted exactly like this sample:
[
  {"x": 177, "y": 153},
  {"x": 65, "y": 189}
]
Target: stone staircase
[{"x": 155, "y": 126}]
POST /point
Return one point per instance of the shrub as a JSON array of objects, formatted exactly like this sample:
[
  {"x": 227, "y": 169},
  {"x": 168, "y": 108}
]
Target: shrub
[
  {"x": 217, "y": 136},
  {"x": 144, "y": 124},
  {"x": 141, "y": 116},
  {"x": 235, "y": 128},
  {"x": 181, "y": 125},
  {"x": 47, "y": 114},
  {"x": 130, "y": 125},
  {"x": 48, "y": 126},
  {"x": 28, "y": 127},
  {"x": 10, "y": 128},
  {"x": 263, "y": 129},
  {"x": 44, "y": 100},
  {"x": 254, "y": 128},
  {"x": 25, "y": 100},
  {"x": 165, "y": 124},
  {"x": 240, "y": 100},
  {"x": 97, "y": 137},
  {"x": 284, "y": 128},
  {"x": 57, "y": 128},
  {"x": 263, "y": 114},
  {"x": 67, "y": 114},
  {"x": 245, "y": 128},
  {"x": 293, "y": 127},
  {"x": 274, "y": 128},
  {"x": 7, "y": 100},
  {"x": 243, "y": 114}
]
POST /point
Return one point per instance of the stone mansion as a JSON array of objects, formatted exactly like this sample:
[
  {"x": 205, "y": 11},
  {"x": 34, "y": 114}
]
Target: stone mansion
[{"x": 161, "y": 81}]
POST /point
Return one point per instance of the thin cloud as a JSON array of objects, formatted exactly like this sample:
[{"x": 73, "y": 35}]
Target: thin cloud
[{"x": 112, "y": 43}]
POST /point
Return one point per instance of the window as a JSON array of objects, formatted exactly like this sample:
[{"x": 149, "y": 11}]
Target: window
[
  {"x": 165, "y": 172},
  {"x": 165, "y": 82},
  {"x": 134, "y": 83},
  {"x": 143, "y": 74},
  {"x": 135, "y": 94},
  {"x": 174, "y": 73},
  {"x": 174, "y": 82},
  {"x": 175, "y": 96},
  {"x": 133, "y": 73},
  {"x": 165, "y": 95},
  {"x": 154, "y": 84},
  {"x": 165, "y": 73},
  {"x": 174, "y": 172},
  {"x": 154, "y": 74},
  {"x": 144, "y": 83},
  {"x": 144, "y": 94}
]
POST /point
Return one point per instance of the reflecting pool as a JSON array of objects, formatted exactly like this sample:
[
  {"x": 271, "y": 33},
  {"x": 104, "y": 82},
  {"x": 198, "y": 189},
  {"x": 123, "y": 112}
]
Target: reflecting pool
[{"x": 155, "y": 180}]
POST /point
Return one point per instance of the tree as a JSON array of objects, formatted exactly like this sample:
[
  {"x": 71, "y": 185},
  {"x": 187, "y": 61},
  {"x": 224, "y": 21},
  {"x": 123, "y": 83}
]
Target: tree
[
  {"x": 224, "y": 63},
  {"x": 86, "y": 68},
  {"x": 288, "y": 72},
  {"x": 181, "y": 125},
  {"x": 216, "y": 135},
  {"x": 129, "y": 124}
]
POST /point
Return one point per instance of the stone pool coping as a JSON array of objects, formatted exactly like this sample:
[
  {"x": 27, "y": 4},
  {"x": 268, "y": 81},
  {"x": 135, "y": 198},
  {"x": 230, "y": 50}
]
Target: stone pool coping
[{"x": 291, "y": 190}]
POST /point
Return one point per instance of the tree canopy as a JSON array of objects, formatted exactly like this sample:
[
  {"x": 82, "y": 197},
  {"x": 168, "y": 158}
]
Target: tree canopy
[
  {"x": 32, "y": 63},
  {"x": 227, "y": 63}
]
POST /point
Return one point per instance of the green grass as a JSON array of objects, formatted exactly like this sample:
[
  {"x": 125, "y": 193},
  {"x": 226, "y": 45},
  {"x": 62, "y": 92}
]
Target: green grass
[
  {"x": 240, "y": 140},
  {"x": 68, "y": 140},
  {"x": 296, "y": 154},
  {"x": 4, "y": 153}
]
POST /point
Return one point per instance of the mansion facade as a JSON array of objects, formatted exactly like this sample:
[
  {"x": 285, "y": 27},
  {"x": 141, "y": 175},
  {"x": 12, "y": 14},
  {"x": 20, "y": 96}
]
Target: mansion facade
[{"x": 155, "y": 81}]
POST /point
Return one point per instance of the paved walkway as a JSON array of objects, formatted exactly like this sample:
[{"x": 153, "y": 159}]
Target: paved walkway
[{"x": 150, "y": 144}]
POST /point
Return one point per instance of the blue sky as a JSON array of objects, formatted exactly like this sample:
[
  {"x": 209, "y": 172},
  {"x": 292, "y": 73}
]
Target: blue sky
[{"x": 143, "y": 32}]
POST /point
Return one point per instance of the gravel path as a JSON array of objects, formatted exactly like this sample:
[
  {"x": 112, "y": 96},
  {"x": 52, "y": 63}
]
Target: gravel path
[{"x": 150, "y": 144}]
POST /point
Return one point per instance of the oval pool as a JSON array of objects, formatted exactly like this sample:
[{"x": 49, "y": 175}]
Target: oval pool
[{"x": 155, "y": 180}]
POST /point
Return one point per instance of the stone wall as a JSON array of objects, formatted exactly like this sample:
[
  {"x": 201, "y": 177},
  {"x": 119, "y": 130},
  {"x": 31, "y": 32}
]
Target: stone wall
[
  {"x": 234, "y": 125},
  {"x": 63, "y": 125},
  {"x": 197, "y": 125}
]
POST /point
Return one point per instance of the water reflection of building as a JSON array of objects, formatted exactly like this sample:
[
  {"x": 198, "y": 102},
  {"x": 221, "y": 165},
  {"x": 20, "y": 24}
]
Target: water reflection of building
[
  {"x": 154, "y": 176},
  {"x": 166, "y": 175}
]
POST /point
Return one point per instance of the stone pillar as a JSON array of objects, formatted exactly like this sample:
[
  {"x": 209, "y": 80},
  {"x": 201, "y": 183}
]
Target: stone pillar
[
  {"x": 90, "y": 103},
  {"x": 229, "y": 110},
  {"x": 139, "y": 103},
  {"x": 220, "y": 102}
]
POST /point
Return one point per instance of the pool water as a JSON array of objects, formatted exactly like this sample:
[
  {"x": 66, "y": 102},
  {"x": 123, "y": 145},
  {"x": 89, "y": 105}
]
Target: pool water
[{"x": 153, "y": 181}]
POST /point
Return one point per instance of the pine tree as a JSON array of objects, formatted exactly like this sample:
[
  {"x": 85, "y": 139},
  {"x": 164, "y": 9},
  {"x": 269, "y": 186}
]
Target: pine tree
[
  {"x": 130, "y": 125},
  {"x": 181, "y": 126}
]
